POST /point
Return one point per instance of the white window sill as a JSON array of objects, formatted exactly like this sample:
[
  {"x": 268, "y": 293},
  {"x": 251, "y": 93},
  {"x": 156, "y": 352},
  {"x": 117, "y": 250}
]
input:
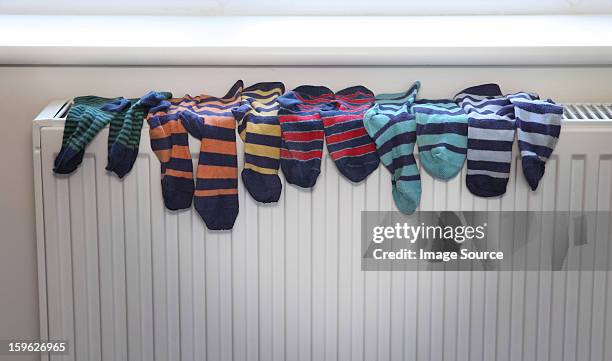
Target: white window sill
[{"x": 422, "y": 40}]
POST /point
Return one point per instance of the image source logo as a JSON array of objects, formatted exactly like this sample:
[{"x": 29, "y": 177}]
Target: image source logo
[{"x": 494, "y": 241}]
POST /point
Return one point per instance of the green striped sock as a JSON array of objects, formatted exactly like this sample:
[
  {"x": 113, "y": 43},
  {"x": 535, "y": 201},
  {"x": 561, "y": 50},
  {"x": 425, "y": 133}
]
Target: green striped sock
[
  {"x": 84, "y": 121},
  {"x": 441, "y": 136},
  {"x": 125, "y": 130},
  {"x": 90, "y": 114}
]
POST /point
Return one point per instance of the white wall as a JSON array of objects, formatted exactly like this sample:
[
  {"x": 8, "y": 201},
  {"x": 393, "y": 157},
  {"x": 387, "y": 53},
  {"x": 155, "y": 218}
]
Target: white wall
[
  {"x": 310, "y": 7},
  {"x": 25, "y": 90}
]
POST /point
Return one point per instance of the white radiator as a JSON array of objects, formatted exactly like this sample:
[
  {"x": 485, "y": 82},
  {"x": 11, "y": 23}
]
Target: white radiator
[{"x": 122, "y": 278}]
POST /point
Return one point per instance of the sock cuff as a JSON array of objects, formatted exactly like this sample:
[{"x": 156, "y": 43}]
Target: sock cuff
[
  {"x": 309, "y": 97},
  {"x": 232, "y": 95},
  {"x": 264, "y": 86},
  {"x": 370, "y": 113},
  {"x": 425, "y": 108},
  {"x": 313, "y": 92},
  {"x": 235, "y": 91},
  {"x": 153, "y": 99},
  {"x": 355, "y": 98},
  {"x": 350, "y": 92},
  {"x": 288, "y": 100},
  {"x": 261, "y": 97},
  {"x": 117, "y": 105},
  {"x": 93, "y": 101},
  {"x": 538, "y": 106},
  {"x": 436, "y": 102},
  {"x": 490, "y": 89},
  {"x": 192, "y": 124},
  {"x": 241, "y": 111},
  {"x": 407, "y": 97}
]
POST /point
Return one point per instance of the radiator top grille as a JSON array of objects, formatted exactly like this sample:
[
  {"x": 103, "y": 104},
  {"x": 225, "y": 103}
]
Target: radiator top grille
[{"x": 580, "y": 111}]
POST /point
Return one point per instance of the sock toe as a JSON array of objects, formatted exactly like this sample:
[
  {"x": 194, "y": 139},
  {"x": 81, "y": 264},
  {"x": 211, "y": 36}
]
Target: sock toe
[
  {"x": 264, "y": 188},
  {"x": 442, "y": 163},
  {"x": 485, "y": 186},
  {"x": 67, "y": 161},
  {"x": 121, "y": 159},
  {"x": 533, "y": 168},
  {"x": 406, "y": 201},
  {"x": 177, "y": 192},
  {"x": 357, "y": 171},
  {"x": 218, "y": 219},
  {"x": 295, "y": 174}
]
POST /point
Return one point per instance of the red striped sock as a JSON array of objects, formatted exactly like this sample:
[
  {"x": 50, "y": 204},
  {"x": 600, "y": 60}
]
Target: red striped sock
[
  {"x": 348, "y": 143},
  {"x": 302, "y": 133}
]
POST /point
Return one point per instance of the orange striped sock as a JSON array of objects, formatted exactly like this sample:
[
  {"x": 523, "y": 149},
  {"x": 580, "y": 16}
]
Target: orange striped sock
[
  {"x": 216, "y": 193},
  {"x": 169, "y": 141}
]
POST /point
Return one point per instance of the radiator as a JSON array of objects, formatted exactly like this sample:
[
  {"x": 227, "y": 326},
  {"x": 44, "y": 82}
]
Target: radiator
[{"x": 121, "y": 278}]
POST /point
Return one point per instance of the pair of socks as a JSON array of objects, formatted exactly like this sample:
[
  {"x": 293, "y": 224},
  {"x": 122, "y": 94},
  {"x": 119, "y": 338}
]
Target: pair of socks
[
  {"x": 393, "y": 127},
  {"x": 311, "y": 114},
  {"x": 210, "y": 119},
  {"x": 492, "y": 120},
  {"x": 259, "y": 129},
  {"x": 90, "y": 114},
  {"x": 438, "y": 127}
]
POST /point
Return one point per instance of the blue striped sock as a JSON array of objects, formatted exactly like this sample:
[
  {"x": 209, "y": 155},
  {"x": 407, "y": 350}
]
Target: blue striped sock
[
  {"x": 490, "y": 137},
  {"x": 441, "y": 136},
  {"x": 538, "y": 125},
  {"x": 393, "y": 128}
]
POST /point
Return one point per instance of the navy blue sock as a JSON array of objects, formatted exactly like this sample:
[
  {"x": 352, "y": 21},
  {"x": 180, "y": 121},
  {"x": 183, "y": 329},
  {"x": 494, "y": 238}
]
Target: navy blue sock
[
  {"x": 490, "y": 137},
  {"x": 538, "y": 126}
]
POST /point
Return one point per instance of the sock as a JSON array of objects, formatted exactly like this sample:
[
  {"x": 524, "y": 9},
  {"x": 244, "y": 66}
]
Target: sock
[
  {"x": 393, "y": 129},
  {"x": 259, "y": 129},
  {"x": 538, "y": 124},
  {"x": 84, "y": 121},
  {"x": 441, "y": 136},
  {"x": 216, "y": 191},
  {"x": 170, "y": 142},
  {"x": 490, "y": 138},
  {"x": 302, "y": 133},
  {"x": 348, "y": 143},
  {"x": 125, "y": 131}
]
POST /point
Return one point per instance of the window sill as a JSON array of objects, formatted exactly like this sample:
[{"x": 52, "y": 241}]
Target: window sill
[{"x": 278, "y": 41}]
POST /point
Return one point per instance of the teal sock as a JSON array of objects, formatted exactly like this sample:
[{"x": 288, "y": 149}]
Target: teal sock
[
  {"x": 441, "y": 136},
  {"x": 393, "y": 129}
]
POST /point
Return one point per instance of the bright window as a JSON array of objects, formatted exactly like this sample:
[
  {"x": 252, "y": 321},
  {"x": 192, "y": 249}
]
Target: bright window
[{"x": 307, "y": 7}]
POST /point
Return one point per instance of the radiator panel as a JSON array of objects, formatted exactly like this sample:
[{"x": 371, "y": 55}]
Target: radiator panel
[{"x": 128, "y": 280}]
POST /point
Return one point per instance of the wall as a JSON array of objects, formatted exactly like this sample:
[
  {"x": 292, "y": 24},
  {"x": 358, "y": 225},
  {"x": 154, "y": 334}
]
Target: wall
[{"x": 25, "y": 90}]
